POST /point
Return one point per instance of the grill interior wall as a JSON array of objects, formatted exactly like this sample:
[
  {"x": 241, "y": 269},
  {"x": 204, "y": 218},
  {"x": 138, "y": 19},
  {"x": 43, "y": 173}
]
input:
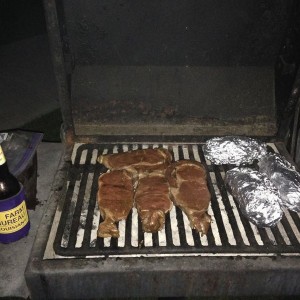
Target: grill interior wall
[{"x": 183, "y": 67}]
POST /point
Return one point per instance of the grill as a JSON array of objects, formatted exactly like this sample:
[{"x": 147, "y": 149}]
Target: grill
[
  {"x": 172, "y": 74},
  {"x": 230, "y": 233}
]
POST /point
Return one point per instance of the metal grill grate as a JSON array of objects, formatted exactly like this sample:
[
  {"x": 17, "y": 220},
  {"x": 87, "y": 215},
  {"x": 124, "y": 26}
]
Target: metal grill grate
[{"x": 230, "y": 233}]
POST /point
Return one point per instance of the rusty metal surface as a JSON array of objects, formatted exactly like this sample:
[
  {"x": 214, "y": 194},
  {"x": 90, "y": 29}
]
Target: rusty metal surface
[{"x": 173, "y": 100}]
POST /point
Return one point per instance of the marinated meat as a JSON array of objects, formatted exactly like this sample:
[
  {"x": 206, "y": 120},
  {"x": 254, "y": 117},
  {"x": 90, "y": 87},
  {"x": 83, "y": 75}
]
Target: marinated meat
[
  {"x": 152, "y": 200},
  {"x": 115, "y": 200},
  {"x": 190, "y": 193},
  {"x": 140, "y": 160}
]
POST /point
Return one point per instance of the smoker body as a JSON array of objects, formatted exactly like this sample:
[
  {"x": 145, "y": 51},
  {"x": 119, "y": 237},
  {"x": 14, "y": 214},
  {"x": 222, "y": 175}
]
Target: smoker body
[
  {"x": 218, "y": 268},
  {"x": 162, "y": 73}
]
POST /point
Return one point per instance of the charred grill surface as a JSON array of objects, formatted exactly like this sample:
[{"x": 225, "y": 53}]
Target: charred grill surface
[{"x": 230, "y": 232}]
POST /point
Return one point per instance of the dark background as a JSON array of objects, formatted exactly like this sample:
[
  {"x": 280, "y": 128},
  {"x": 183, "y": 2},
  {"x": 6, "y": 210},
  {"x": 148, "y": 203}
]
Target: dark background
[
  {"x": 28, "y": 90},
  {"x": 20, "y": 19}
]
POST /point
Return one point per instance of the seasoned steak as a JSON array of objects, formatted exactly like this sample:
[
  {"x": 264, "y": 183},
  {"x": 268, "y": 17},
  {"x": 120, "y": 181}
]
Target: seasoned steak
[
  {"x": 190, "y": 193},
  {"x": 140, "y": 160},
  {"x": 152, "y": 200},
  {"x": 115, "y": 200}
]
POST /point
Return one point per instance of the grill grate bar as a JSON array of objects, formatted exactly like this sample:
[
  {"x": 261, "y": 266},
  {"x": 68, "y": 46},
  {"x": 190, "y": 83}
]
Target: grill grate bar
[
  {"x": 241, "y": 235},
  {"x": 174, "y": 227},
  {"x": 256, "y": 234},
  {"x": 230, "y": 232},
  {"x": 294, "y": 233},
  {"x": 84, "y": 211},
  {"x": 214, "y": 210},
  {"x": 66, "y": 233},
  {"x": 270, "y": 236},
  {"x": 283, "y": 234},
  {"x": 162, "y": 238},
  {"x": 148, "y": 239},
  {"x": 122, "y": 232},
  {"x": 134, "y": 228},
  {"x": 263, "y": 234},
  {"x": 95, "y": 217},
  {"x": 295, "y": 218},
  {"x": 280, "y": 234},
  {"x": 224, "y": 215}
]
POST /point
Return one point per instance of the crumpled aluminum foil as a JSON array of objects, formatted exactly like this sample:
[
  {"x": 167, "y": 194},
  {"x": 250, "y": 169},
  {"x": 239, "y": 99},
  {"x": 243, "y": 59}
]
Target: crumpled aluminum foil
[
  {"x": 233, "y": 150},
  {"x": 285, "y": 177},
  {"x": 257, "y": 197}
]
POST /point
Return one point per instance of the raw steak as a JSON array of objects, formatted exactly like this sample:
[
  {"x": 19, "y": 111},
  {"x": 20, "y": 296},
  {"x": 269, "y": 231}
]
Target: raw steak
[
  {"x": 152, "y": 200},
  {"x": 115, "y": 200},
  {"x": 189, "y": 192},
  {"x": 140, "y": 160}
]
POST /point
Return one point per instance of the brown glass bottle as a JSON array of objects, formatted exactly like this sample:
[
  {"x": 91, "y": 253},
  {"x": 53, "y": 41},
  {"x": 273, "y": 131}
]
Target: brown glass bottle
[{"x": 9, "y": 185}]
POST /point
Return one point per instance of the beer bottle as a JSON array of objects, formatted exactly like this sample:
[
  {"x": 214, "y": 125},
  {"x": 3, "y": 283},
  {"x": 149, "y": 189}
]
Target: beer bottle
[
  {"x": 14, "y": 221},
  {"x": 9, "y": 185}
]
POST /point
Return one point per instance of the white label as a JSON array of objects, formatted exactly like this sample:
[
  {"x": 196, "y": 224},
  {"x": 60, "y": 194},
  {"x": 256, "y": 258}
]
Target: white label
[{"x": 14, "y": 219}]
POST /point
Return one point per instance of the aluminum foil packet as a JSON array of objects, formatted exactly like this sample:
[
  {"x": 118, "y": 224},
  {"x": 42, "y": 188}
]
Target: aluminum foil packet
[
  {"x": 285, "y": 177},
  {"x": 234, "y": 150},
  {"x": 258, "y": 199}
]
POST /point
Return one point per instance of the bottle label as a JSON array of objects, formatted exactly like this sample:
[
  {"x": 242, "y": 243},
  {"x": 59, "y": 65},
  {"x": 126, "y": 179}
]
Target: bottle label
[
  {"x": 2, "y": 157},
  {"x": 14, "y": 219}
]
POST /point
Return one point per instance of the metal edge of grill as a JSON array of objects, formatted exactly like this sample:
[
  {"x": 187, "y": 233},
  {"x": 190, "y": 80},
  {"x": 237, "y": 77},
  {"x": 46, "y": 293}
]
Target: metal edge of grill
[{"x": 74, "y": 229}]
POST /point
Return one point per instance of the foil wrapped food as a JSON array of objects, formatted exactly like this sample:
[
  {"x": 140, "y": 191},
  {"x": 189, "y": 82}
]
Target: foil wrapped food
[
  {"x": 285, "y": 177},
  {"x": 234, "y": 150},
  {"x": 257, "y": 197}
]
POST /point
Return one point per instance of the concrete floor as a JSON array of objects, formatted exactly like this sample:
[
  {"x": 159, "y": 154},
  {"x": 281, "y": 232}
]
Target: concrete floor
[{"x": 27, "y": 91}]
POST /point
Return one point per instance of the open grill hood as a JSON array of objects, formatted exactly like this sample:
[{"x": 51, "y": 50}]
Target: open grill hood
[{"x": 169, "y": 67}]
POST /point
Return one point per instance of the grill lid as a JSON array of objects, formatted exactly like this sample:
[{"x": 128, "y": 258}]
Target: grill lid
[{"x": 74, "y": 230}]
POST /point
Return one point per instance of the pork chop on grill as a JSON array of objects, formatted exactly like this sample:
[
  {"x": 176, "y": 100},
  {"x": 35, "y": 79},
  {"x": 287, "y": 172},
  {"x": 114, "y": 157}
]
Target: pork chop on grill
[
  {"x": 152, "y": 200},
  {"x": 190, "y": 193},
  {"x": 115, "y": 200},
  {"x": 140, "y": 160}
]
